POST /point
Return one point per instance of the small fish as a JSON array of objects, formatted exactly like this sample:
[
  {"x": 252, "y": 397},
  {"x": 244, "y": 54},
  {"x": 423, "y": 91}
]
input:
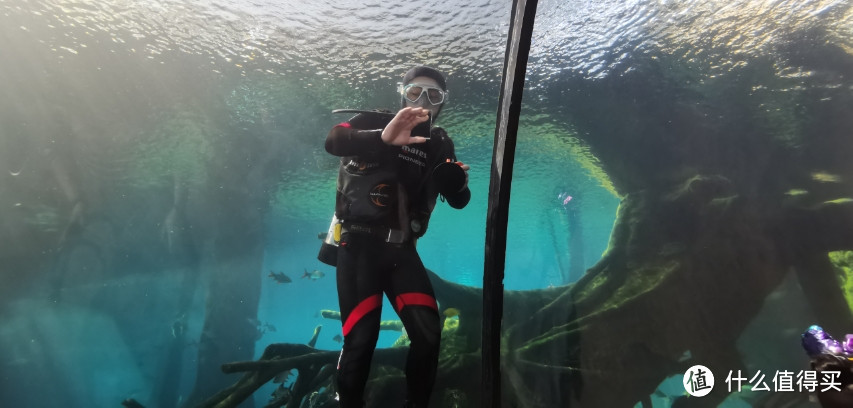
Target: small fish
[
  {"x": 313, "y": 275},
  {"x": 282, "y": 377},
  {"x": 281, "y": 394},
  {"x": 451, "y": 312},
  {"x": 179, "y": 326},
  {"x": 825, "y": 177},
  {"x": 843, "y": 200},
  {"x": 796, "y": 192},
  {"x": 280, "y": 277},
  {"x": 178, "y": 329},
  {"x": 338, "y": 338}
]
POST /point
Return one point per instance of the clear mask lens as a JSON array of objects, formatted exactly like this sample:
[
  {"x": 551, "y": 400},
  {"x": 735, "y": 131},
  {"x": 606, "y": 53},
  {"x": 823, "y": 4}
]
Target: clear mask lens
[{"x": 414, "y": 92}]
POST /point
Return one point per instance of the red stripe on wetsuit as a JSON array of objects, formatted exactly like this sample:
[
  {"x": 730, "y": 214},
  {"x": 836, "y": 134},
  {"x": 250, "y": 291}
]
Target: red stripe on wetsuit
[
  {"x": 373, "y": 302},
  {"x": 415, "y": 299},
  {"x": 362, "y": 309}
]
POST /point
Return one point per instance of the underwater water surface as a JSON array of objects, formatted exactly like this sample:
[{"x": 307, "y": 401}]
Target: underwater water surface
[{"x": 681, "y": 192}]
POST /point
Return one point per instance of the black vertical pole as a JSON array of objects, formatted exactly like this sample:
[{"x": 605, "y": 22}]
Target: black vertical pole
[{"x": 503, "y": 156}]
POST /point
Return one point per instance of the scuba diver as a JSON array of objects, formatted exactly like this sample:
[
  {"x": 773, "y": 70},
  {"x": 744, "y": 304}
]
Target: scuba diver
[{"x": 393, "y": 168}]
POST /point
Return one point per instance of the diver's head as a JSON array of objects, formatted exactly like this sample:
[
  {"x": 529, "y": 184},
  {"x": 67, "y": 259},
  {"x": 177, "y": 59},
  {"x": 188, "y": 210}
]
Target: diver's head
[{"x": 424, "y": 87}]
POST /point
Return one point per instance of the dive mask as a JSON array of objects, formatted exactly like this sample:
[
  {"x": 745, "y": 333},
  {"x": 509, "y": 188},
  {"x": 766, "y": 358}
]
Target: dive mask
[{"x": 414, "y": 92}]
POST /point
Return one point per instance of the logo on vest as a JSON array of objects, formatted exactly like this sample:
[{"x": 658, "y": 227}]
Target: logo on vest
[
  {"x": 380, "y": 195},
  {"x": 360, "y": 167}
]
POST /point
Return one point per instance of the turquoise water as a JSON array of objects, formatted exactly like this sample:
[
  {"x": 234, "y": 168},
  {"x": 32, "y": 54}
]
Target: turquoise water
[{"x": 159, "y": 159}]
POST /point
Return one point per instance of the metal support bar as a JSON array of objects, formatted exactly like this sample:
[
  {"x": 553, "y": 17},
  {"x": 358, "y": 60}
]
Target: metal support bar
[{"x": 503, "y": 157}]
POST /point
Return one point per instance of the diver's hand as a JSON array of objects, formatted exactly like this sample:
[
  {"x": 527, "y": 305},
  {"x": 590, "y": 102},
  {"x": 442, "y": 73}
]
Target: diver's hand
[
  {"x": 399, "y": 130},
  {"x": 466, "y": 168}
]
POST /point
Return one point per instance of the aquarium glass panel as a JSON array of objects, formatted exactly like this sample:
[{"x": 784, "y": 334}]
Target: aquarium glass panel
[
  {"x": 681, "y": 207},
  {"x": 165, "y": 190}
]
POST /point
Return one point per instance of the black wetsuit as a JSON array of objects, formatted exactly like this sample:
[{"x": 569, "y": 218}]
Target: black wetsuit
[{"x": 385, "y": 191}]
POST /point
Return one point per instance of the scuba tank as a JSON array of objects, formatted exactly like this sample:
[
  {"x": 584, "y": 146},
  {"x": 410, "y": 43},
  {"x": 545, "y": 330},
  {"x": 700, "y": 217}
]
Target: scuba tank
[{"x": 329, "y": 249}]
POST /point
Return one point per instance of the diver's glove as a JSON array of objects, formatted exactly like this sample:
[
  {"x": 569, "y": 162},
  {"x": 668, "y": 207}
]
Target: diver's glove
[
  {"x": 816, "y": 341},
  {"x": 451, "y": 181}
]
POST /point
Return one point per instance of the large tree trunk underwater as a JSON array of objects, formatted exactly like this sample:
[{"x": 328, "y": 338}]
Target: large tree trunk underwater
[
  {"x": 184, "y": 251},
  {"x": 686, "y": 271},
  {"x": 811, "y": 234},
  {"x": 235, "y": 218},
  {"x": 167, "y": 388},
  {"x": 233, "y": 293},
  {"x": 79, "y": 199}
]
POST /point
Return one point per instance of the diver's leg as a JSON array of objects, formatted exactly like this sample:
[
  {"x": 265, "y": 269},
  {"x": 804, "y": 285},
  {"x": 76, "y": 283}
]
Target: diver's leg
[
  {"x": 413, "y": 298},
  {"x": 360, "y": 300}
]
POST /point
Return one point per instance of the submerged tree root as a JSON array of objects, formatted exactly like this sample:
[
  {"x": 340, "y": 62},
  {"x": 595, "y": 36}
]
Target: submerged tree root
[
  {"x": 315, "y": 368},
  {"x": 684, "y": 275}
]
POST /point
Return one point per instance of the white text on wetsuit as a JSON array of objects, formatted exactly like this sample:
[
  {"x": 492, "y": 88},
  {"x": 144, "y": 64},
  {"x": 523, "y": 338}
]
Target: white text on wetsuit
[{"x": 413, "y": 151}]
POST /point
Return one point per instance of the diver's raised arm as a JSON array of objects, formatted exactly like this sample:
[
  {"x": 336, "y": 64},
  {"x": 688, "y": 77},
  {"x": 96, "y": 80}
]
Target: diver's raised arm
[{"x": 344, "y": 140}]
